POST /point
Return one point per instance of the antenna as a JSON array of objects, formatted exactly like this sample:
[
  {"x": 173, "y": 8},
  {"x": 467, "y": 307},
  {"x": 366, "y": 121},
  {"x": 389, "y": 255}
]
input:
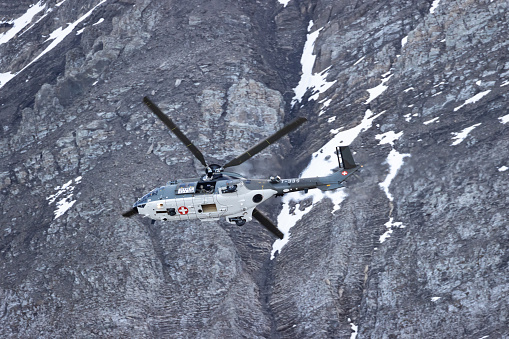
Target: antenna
[{"x": 338, "y": 153}]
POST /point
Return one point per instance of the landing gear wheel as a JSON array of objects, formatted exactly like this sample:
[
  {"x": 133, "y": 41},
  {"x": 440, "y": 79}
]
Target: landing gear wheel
[{"x": 240, "y": 222}]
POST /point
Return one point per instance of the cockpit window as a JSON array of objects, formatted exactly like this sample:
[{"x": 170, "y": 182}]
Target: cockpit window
[
  {"x": 206, "y": 187},
  {"x": 144, "y": 199}
]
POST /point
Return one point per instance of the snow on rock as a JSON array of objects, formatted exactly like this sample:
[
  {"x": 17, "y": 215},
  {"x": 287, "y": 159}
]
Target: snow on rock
[
  {"x": 390, "y": 225},
  {"x": 395, "y": 161},
  {"x": 460, "y": 136},
  {"x": 388, "y": 137},
  {"x": 57, "y": 36},
  {"x": 354, "y": 329},
  {"x": 325, "y": 103},
  {"x": 358, "y": 61},
  {"x": 434, "y": 299},
  {"x": 98, "y": 22},
  {"x": 5, "y": 78},
  {"x": 309, "y": 80},
  {"x": 21, "y": 22},
  {"x": 431, "y": 121},
  {"x": 284, "y": 2},
  {"x": 404, "y": 41},
  {"x": 434, "y": 6},
  {"x": 376, "y": 91},
  {"x": 504, "y": 119},
  {"x": 503, "y": 169},
  {"x": 473, "y": 99},
  {"x": 322, "y": 163},
  {"x": 64, "y": 196}
]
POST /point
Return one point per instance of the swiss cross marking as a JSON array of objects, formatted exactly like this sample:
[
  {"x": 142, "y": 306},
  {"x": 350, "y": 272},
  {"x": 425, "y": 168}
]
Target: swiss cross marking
[
  {"x": 344, "y": 172},
  {"x": 183, "y": 210}
]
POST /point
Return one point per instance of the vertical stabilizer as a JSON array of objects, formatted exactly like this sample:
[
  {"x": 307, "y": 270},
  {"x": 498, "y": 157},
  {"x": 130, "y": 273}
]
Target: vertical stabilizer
[{"x": 347, "y": 157}]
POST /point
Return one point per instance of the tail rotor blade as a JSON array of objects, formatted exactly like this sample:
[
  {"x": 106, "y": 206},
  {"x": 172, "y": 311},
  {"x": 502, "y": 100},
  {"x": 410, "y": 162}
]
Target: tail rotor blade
[
  {"x": 130, "y": 213},
  {"x": 171, "y": 125},
  {"x": 267, "y": 142},
  {"x": 262, "y": 219}
]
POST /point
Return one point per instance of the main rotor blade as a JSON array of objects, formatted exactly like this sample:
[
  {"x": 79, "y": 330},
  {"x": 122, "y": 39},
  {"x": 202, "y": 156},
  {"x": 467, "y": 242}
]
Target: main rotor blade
[
  {"x": 130, "y": 213},
  {"x": 267, "y": 142},
  {"x": 171, "y": 125},
  {"x": 262, "y": 219}
]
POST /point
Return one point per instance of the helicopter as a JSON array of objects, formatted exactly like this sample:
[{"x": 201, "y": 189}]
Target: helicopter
[{"x": 219, "y": 193}]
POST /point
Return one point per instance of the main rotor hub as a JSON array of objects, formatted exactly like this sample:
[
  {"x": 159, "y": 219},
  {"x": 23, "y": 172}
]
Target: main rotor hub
[{"x": 213, "y": 169}]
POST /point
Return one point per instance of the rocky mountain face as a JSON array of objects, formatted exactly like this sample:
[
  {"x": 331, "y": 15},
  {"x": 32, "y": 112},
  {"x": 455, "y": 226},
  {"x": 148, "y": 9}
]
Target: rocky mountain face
[{"x": 417, "y": 247}]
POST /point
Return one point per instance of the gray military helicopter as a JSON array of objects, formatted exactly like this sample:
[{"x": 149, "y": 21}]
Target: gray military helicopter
[{"x": 219, "y": 193}]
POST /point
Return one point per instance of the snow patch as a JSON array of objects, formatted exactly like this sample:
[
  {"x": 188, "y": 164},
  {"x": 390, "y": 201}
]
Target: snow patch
[
  {"x": 434, "y": 299},
  {"x": 376, "y": 91},
  {"x": 98, "y": 22},
  {"x": 473, "y": 99},
  {"x": 284, "y": 2},
  {"x": 431, "y": 121},
  {"x": 390, "y": 225},
  {"x": 503, "y": 169},
  {"x": 57, "y": 36},
  {"x": 354, "y": 329},
  {"x": 64, "y": 195},
  {"x": 308, "y": 80},
  {"x": 395, "y": 161},
  {"x": 359, "y": 60},
  {"x": 504, "y": 119},
  {"x": 388, "y": 138},
  {"x": 434, "y": 6},
  {"x": 325, "y": 103},
  {"x": 404, "y": 41},
  {"x": 460, "y": 136},
  {"x": 21, "y": 22},
  {"x": 505, "y": 84},
  {"x": 5, "y": 78}
]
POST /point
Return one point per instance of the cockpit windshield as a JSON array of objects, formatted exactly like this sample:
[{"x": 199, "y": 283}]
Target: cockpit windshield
[{"x": 144, "y": 199}]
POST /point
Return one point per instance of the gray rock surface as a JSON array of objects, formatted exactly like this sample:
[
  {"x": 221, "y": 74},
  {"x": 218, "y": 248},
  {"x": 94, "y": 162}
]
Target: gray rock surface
[{"x": 76, "y": 134}]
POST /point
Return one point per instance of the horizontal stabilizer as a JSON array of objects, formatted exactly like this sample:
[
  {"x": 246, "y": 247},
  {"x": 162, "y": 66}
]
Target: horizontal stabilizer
[{"x": 329, "y": 187}]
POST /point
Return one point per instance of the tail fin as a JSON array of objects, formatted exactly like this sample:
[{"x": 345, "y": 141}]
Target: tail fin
[{"x": 346, "y": 157}]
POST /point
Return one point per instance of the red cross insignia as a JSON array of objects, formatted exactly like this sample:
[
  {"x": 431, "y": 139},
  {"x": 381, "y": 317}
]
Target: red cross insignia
[
  {"x": 344, "y": 172},
  {"x": 183, "y": 210}
]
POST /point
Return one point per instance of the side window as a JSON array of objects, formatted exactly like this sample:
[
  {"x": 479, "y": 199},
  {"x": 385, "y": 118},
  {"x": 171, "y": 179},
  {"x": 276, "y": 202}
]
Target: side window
[{"x": 205, "y": 187}]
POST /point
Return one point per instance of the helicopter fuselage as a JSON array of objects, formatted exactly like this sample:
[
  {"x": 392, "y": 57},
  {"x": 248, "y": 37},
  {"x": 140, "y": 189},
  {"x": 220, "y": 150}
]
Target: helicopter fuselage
[{"x": 227, "y": 195}]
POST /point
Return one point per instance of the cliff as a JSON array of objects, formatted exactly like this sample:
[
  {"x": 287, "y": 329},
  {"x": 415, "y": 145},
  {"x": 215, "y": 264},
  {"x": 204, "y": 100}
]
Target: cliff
[{"x": 416, "y": 247}]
